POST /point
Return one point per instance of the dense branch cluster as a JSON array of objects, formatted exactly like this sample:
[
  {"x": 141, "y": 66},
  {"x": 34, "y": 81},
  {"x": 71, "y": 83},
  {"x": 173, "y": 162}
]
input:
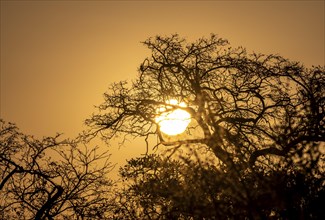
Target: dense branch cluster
[
  {"x": 246, "y": 105},
  {"x": 172, "y": 189}
]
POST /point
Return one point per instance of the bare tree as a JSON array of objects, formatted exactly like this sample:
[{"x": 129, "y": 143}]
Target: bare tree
[
  {"x": 246, "y": 105},
  {"x": 258, "y": 115},
  {"x": 51, "y": 179}
]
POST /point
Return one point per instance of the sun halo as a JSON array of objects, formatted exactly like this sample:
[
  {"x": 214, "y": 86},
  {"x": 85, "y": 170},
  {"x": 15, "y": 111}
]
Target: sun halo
[{"x": 172, "y": 122}]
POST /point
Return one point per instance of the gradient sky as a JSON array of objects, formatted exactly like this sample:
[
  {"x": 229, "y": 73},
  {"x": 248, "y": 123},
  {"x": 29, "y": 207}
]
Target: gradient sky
[{"x": 58, "y": 57}]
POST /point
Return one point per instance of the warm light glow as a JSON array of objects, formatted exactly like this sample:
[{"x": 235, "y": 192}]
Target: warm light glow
[{"x": 173, "y": 122}]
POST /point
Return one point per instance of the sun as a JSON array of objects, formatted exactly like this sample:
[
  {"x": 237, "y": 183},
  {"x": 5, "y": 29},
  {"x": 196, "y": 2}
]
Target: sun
[{"x": 173, "y": 122}]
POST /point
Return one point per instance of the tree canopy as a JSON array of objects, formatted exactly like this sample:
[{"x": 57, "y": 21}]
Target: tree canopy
[
  {"x": 260, "y": 117},
  {"x": 246, "y": 106}
]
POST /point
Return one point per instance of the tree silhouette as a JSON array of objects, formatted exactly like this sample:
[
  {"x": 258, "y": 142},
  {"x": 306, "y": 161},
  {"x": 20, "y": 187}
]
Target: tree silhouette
[
  {"x": 259, "y": 117},
  {"x": 254, "y": 147},
  {"x": 247, "y": 105},
  {"x": 51, "y": 179}
]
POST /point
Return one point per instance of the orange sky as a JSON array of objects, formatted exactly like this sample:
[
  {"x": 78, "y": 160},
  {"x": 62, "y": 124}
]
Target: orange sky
[{"x": 58, "y": 57}]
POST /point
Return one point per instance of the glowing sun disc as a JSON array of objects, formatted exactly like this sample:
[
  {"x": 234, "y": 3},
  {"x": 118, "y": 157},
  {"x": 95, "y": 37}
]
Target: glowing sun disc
[{"x": 173, "y": 122}]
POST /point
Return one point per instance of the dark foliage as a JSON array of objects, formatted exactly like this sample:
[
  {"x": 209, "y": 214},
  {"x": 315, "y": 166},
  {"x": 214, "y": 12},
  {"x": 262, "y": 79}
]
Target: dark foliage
[{"x": 159, "y": 188}]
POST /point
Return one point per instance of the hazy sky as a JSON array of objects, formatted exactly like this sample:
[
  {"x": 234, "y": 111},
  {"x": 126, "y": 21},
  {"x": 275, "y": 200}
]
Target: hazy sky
[{"x": 58, "y": 57}]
